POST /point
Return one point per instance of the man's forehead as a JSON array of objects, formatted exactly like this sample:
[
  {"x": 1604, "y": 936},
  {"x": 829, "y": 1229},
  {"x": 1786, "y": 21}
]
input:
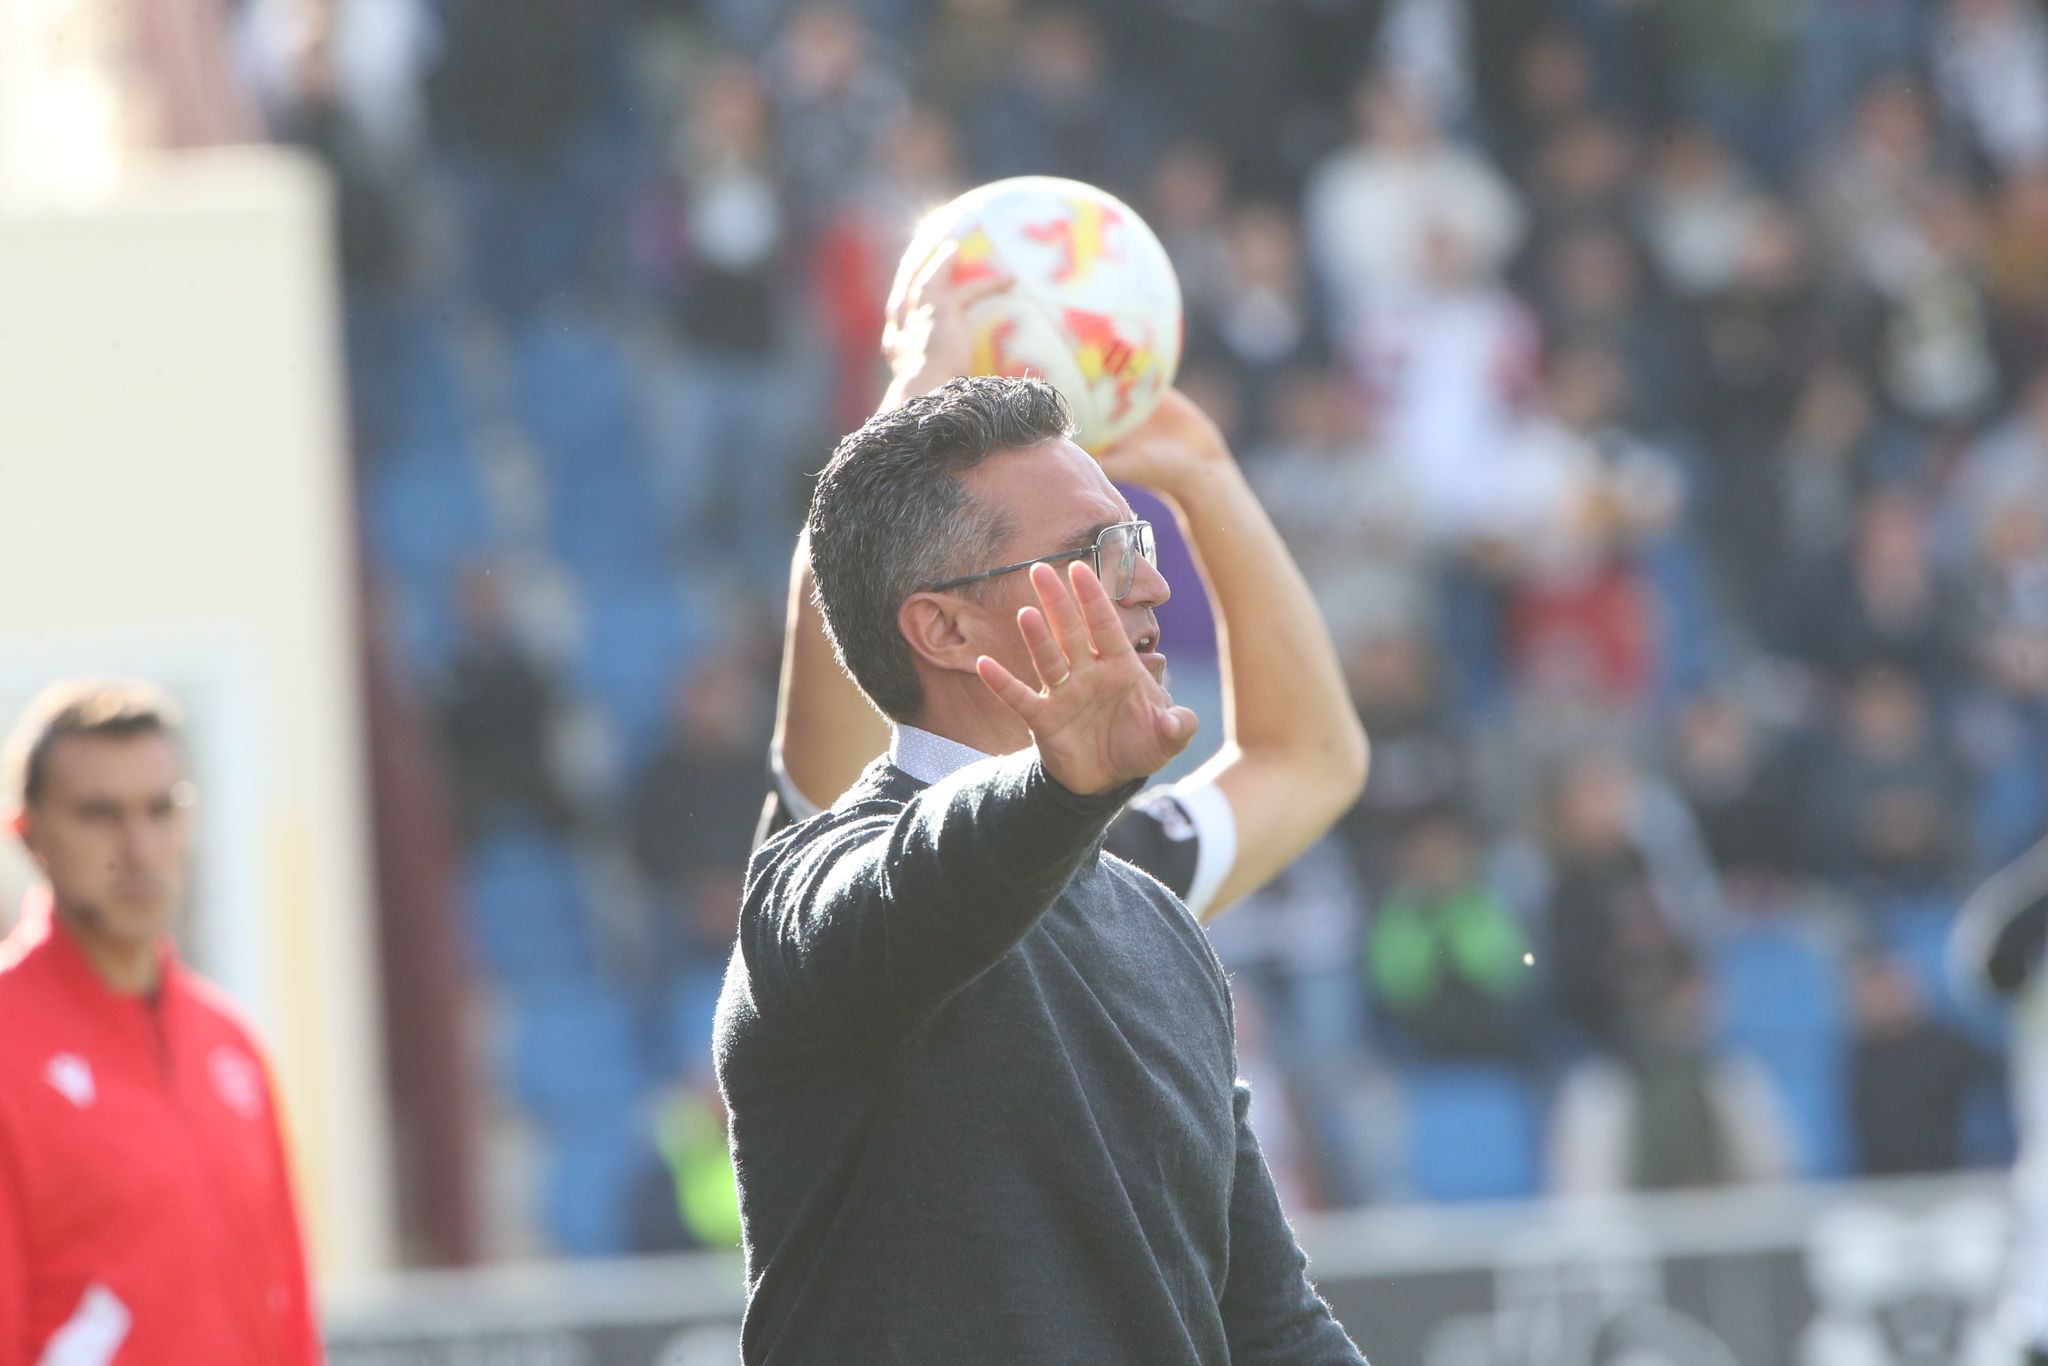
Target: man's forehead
[
  {"x": 111, "y": 763},
  {"x": 1053, "y": 488}
]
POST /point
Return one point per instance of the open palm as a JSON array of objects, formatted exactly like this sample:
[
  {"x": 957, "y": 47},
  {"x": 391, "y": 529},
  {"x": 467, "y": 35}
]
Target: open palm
[{"x": 1099, "y": 719}]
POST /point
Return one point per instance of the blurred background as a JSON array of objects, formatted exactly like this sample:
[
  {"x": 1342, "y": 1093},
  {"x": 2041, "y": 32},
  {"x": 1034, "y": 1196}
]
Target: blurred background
[{"x": 1655, "y": 393}]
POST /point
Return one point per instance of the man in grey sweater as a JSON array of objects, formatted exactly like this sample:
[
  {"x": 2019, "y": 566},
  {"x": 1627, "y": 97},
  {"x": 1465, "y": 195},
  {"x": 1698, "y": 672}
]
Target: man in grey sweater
[{"x": 982, "y": 1075}]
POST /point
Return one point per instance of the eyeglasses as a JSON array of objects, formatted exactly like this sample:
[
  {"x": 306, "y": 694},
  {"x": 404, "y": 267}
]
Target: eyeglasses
[{"x": 1114, "y": 558}]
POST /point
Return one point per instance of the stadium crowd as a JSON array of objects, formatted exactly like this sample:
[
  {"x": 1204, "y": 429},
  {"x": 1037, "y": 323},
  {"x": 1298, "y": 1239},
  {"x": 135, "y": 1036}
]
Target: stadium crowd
[{"x": 1655, "y": 393}]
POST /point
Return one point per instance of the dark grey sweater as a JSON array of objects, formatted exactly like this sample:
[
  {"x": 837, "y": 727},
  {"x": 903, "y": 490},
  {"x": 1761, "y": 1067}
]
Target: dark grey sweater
[{"x": 984, "y": 1109}]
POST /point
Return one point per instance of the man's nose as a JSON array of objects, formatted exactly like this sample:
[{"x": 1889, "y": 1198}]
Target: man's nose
[{"x": 1148, "y": 586}]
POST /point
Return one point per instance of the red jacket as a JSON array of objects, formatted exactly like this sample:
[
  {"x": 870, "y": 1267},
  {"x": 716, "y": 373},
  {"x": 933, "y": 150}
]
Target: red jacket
[{"x": 146, "y": 1210}]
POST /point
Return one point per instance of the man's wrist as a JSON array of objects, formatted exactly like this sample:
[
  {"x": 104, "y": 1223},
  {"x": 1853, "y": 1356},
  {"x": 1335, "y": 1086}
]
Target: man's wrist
[{"x": 1202, "y": 480}]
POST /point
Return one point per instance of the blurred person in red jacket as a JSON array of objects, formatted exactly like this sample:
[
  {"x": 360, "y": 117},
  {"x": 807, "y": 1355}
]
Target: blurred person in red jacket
[{"x": 146, "y": 1209}]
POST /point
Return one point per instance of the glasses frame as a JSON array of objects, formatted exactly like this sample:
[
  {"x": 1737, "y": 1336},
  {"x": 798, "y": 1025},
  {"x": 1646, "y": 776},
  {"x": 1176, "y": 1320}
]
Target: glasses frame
[{"x": 1146, "y": 547}]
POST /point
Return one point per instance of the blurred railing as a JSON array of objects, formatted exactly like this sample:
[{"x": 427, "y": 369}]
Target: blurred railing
[{"x": 1869, "y": 1273}]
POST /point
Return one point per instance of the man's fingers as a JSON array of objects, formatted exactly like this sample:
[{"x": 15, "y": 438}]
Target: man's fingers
[
  {"x": 921, "y": 284},
  {"x": 1019, "y": 696},
  {"x": 1068, "y": 626},
  {"x": 967, "y": 296},
  {"x": 905, "y": 291},
  {"x": 1046, "y": 655},
  {"x": 1177, "y": 726},
  {"x": 1105, "y": 632}
]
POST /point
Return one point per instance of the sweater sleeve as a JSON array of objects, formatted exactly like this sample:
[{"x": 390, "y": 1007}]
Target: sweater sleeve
[
  {"x": 1271, "y": 1314},
  {"x": 870, "y": 923}
]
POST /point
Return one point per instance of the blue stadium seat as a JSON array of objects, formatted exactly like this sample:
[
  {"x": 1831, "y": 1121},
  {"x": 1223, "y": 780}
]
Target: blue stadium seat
[
  {"x": 1782, "y": 1002},
  {"x": 573, "y": 391},
  {"x": 687, "y": 1009},
  {"x": 1473, "y": 1133},
  {"x": 432, "y": 403},
  {"x": 528, "y": 911},
  {"x": 603, "y": 520},
  {"x": 1918, "y": 931},
  {"x": 574, "y": 1057},
  {"x": 426, "y": 513},
  {"x": 589, "y": 1189},
  {"x": 638, "y": 636}
]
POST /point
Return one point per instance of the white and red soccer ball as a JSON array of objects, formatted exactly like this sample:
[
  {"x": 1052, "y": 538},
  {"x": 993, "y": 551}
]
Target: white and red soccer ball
[{"x": 1096, "y": 308}]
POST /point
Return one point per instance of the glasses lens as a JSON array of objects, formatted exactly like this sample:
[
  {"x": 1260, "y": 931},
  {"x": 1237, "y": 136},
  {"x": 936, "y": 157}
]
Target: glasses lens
[{"x": 1119, "y": 560}]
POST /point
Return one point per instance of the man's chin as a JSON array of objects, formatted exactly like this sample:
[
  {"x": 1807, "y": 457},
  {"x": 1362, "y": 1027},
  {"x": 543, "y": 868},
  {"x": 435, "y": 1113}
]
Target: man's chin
[
  {"x": 1156, "y": 664},
  {"x": 137, "y": 920}
]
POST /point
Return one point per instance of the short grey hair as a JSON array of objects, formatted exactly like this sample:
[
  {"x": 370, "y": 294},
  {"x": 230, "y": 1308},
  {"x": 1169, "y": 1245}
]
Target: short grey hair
[{"x": 890, "y": 516}]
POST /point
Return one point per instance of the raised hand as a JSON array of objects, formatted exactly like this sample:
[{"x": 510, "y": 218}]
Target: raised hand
[
  {"x": 1099, "y": 718},
  {"x": 1168, "y": 449},
  {"x": 927, "y": 339}
]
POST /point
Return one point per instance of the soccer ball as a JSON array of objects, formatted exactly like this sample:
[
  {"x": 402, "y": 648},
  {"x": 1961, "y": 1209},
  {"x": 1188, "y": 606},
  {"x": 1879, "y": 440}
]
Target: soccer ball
[{"x": 1095, "y": 310}]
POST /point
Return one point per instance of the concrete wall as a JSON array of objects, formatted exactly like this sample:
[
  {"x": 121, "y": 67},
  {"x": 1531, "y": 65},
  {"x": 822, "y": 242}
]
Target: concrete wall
[{"x": 174, "y": 502}]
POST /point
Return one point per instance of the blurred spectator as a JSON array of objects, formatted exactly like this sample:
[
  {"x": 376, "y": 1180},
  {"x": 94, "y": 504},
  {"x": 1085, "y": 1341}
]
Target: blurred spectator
[
  {"x": 369, "y": 163},
  {"x": 1879, "y": 599},
  {"x": 1667, "y": 1110},
  {"x": 1990, "y": 62},
  {"x": 1448, "y": 362},
  {"x": 1259, "y": 319},
  {"x": 835, "y": 99},
  {"x": 498, "y": 711},
  {"x": 2006, "y": 467},
  {"x": 1553, "y": 86},
  {"x": 1842, "y": 46},
  {"x": 1582, "y": 178},
  {"x": 719, "y": 243},
  {"x": 1755, "y": 341},
  {"x": 1059, "y": 108},
  {"x": 178, "y": 52},
  {"x": 312, "y": 112},
  {"x": 1735, "y": 72},
  {"x": 515, "y": 97},
  {"x": 1864, "y": 182},
  {"x": 2016, "y": 270},
  {"x": 1445, "y": 955},
  {"x": 1910, "y": 1077},
  {"x": 1608, "y": 941},
  {"x": 691, "y": 1198},
  {"x": 1425, "y": 45},
  {"x": 1932, "y": 334},
  {"x": 1697, "y": 208},
  {"x": 690, "y": 837},
  {"x": 1592, "y": 493},
  {"x": 1377, "y": 210},
  {"x": 1637, "y": 63},
  {"x": 1588, "y": 285},
  {"x": 965, "y": 51},
  {"x": 1884, "y": 803},
  {"x": 1418, "y": 749},
  {"x": 1741, "y": 793},
  {"x": 1346, "y": 510},
  {"x": 855, "y": 254},
  {"x": 518, "y": 78},
  {"x": 1833, "y": 449},
  {"x": 376, "y": 54},
  {"x": 1187, "y": 204}
]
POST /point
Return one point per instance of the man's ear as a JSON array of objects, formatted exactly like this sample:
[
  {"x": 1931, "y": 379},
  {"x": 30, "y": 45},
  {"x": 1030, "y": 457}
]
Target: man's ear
[
  {"x": 939, "y": 627},
  {"x": 17, "y": 823}
]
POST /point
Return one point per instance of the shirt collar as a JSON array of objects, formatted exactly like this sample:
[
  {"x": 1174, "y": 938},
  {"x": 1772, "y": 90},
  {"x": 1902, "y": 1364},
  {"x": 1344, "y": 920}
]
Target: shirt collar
[{"x": 928, "y": 757}]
